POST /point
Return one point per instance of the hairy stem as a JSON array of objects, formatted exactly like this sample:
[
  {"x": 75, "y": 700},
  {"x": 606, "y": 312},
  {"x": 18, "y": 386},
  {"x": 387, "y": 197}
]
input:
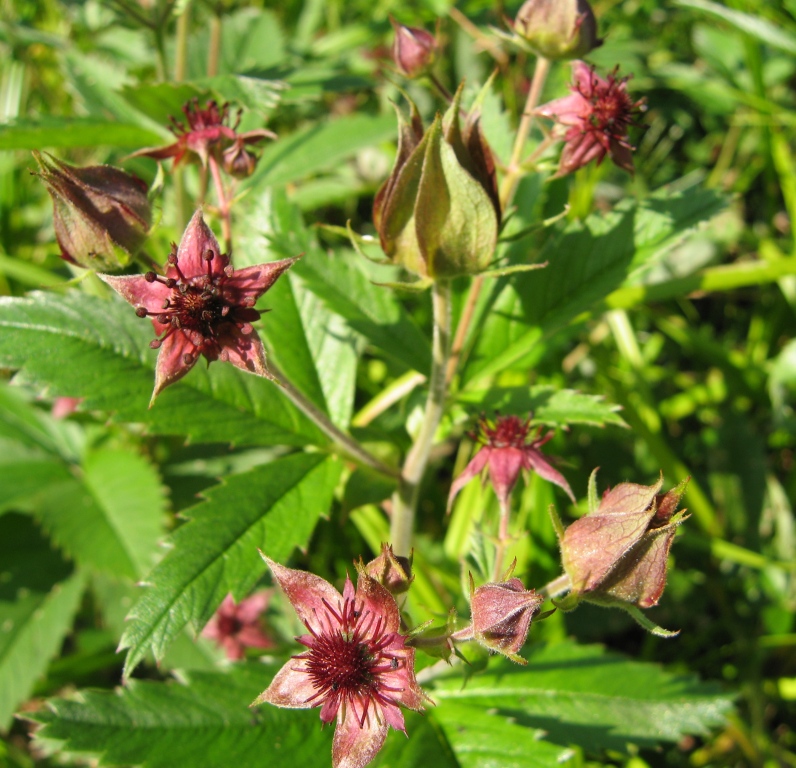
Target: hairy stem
[
  {"x": 406, "y": 496},
  {"x": 181, "y": 44},
  {"x": 508, "y": 188},
  {"x": 556, "y": 587},
  {"x": 223, "y": 203},
  {"x": 324, "y": 423},
  {"x": 502, "y": 539}
]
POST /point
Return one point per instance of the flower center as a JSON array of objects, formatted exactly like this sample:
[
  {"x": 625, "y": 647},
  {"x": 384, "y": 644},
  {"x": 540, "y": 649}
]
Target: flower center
[
  {"x": 347, "y": 663},
  {"x": 196, "y": 305}
]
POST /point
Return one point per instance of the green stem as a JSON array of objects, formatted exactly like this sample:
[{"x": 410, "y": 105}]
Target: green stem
[
  {"x": 406, "y": 496},
  {"x": 322, "y": 421},
  {"x": 502, "y": 539},
  {"x": 214, "y": 48},
  {"x": 556, "y": 587},
  {"x": 181, "y": 45}
]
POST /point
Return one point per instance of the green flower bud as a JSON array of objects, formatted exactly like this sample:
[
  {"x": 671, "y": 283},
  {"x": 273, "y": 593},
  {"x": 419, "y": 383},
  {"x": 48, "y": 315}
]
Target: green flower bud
[
  {"x": 101, "y": 214},
  {"x": 558, "y": 29},
  {"x": 438, "y": 213}
]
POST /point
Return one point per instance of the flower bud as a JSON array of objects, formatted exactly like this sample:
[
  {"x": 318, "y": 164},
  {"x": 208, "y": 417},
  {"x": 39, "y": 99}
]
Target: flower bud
[
  {"x": 101, "y": 214},
  {"x": 391, "y": 571},
  {"x": 438, "y": 213},
  {"x": 502, "y": 614},
  {"x": 617, "y": 553},
  {"x": 238, "y": 161},
  {"x": 413, "y": 50},
  {"x": 558, "y": 29}
]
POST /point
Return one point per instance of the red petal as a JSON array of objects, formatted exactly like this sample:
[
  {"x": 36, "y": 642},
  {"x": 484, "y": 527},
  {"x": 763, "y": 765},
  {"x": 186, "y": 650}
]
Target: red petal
[
  {"x": 135, "y": 290},
  {"x": 244, "y": 351},
  {"x": 292, "y": 687},
  {"x": 504, "y": 469},
  {"x": 172, "y": 365},
  {"x": 355, "y": 746},
  {"x": 475, "y": 467},
  {"x": 307, "y": 593},
  {"x": 378, "y": 600},
  {"x": 245, "y": 286},
  {"x": 536, "y": 461},
  {"x": 196, "y": 240}
]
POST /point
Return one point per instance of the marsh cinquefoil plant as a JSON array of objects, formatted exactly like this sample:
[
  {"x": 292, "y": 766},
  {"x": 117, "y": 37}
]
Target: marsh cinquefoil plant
[{"x": 458, "y": 608}]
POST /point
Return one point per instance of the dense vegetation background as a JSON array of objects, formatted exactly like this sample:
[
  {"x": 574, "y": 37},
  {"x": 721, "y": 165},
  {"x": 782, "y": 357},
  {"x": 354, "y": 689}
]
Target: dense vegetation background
[{"x": 696, "y": 348}]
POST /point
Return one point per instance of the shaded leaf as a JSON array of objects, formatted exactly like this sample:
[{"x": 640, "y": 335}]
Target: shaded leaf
[
  {"x": 204, "y": 722},
  {"x": 38, "y": 598},
  {"x": 273, "y": 507}
]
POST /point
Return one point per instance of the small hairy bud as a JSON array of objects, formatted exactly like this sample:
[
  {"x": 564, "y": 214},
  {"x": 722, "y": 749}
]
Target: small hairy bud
[
  {"x": 101, "y": 214},
  {"x": 414, "y": 50},
  {"x": 391, "y": 571}
]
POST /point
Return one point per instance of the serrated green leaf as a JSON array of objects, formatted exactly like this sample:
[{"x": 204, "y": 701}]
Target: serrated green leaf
[
  {"x": 551, "y": 406},
  {"x": 38, "y": 599},
  {"x": 274, "y": 507},
  {"x": 483, "y": 739},
  {"x": 586, "y": 696},
  {"x": 204, "y": 722},
  {"x": 81, "y": 346},
  {"x": 112, "y": 517},
  {"x": 586, "y": 262}
]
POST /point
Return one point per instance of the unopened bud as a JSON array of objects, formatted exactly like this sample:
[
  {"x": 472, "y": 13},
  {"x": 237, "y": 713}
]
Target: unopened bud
[
  {"x": 558, "y": 29},
  {"x": 414, "y": 50},
  {"x": 238, "y": 161},
  {"x": 390, "y": 570},
  {"x": 101, "y": 214},
  {"x": 438, "y": 213},
  {"x": 502, "y": 614},
  {"x": 617, "y": 553}
]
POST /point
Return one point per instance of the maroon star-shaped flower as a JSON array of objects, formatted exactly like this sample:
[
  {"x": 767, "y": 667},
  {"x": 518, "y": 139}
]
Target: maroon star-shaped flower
[
  {"x": 508, "y": 447},
  {"x": 237, "y": 626},
  {"x": 208, "y": 133},
  {"x": 201, "y": 306},
  {"x": 357, "y": 667},
  {"x": 594, "y": 120}
]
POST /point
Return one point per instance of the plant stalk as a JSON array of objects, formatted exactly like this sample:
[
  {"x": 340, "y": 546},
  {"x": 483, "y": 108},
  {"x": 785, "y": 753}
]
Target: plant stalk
[
  {"x": 214, "y": 47},
  {"x": 324, "y": 423},
  {"x": 223, "y": 203},
  {"x": 406, "y": 496},
  {"x": 502, "y": 540}
]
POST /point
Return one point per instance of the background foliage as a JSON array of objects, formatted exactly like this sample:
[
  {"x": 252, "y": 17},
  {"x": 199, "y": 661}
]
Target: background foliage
[{"x": 671, "y": 295}]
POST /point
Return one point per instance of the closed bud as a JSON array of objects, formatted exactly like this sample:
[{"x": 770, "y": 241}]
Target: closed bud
[
  {"x": 438, "y": 213},
  {"x": 616, "y": 555},
  {"x": 558, "y": 29},
  {"x": 101, "y": 214},
  {"x": 413, "y": 50},
  {"x": 391, "y": 571},
  {"x": 238, "y": 161},
  {"x": 502, "y": 613}
]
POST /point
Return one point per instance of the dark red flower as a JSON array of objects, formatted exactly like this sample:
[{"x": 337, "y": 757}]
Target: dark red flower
[
  {"x": 508, "y": 447},
  {"x": 202, "y": 306},
  {"x": 237, "y": 626},
  {"x": 357, "y": 667},
  {"x": 594, "y": 120},
  {"x": 209, "y": 133}
]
